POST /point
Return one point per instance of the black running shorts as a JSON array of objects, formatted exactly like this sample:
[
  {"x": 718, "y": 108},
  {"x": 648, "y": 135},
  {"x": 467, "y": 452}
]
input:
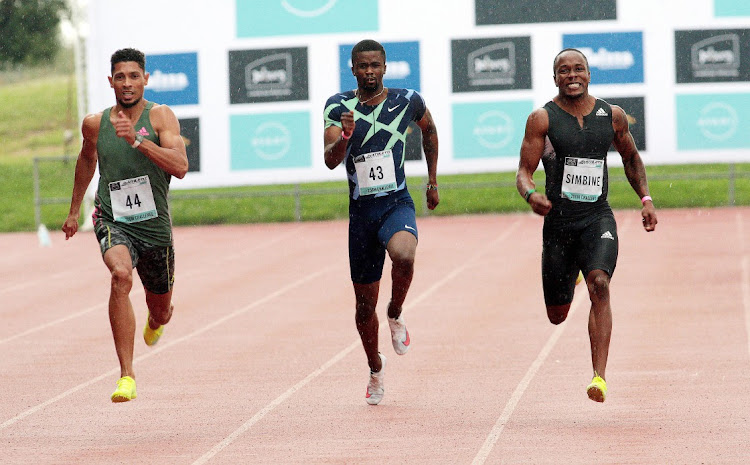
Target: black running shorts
[
  {"x": 586, "y": 245},
  {"x": 155, "y": 264}
]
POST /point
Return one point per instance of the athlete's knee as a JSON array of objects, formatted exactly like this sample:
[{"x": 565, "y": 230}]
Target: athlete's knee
[
  {"x": 364, "y": 313},
  {"x": 122, "y": 278},
  {"x": 557, "y": 313},
  {"x": 402, "y": 257},
  {"x": 403, "y": 263},
  {"x": 598, "y": 285}
]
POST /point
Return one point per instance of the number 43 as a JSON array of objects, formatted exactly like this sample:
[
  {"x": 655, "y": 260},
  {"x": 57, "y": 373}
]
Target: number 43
[{"x": 376, "y": 173}]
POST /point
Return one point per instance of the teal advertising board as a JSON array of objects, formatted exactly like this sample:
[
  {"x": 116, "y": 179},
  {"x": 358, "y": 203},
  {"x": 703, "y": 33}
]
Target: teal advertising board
[
  {"x": 489, "y": 130},
  {"x": 731, "y": 8},
  {"x": 713, "y": 121},
  {"x": 270, "y": 141},
  {"x": 263, "y": 18}
]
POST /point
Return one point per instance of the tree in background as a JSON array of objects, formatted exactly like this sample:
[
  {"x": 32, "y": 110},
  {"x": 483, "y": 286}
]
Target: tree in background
[{"x": 29, "y": 30}]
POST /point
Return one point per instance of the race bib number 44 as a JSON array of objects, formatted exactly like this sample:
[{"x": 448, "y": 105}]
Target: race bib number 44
[
  {"x": 132, "y": 200},
  {"x": 583, "y": 179},
  {"x": 376, "y": 172}
]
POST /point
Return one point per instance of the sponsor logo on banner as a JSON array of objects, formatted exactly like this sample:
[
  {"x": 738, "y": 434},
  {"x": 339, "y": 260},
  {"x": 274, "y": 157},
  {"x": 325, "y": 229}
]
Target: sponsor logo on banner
[
  {"x": 269, "y": 75},
  {"x": 636, "y": 114},
  {"x": 263, "y": 18},
  {"x": 717, "y": 121},
  {"x": 173, "y": 79},
  {"x": 712, "y": 55},
  {"x": 489, "y": 130},
  {"x": 191, "y": 135},
  {"x": 614, "y": 58},
  {"x": 402, "y": 66},
  {"x": 491, "y": 64},
  {"x": 716, "y": 56},
  {"x": 270, "y": 141},
  {"x": 543, "y": 11}
]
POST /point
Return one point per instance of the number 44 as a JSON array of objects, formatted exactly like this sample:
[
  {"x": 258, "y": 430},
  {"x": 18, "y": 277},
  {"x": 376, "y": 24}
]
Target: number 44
[{"x": 135, "y": 201}]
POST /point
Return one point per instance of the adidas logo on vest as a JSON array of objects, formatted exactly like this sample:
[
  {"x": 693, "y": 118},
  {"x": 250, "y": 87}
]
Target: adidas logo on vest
[{"x": 601, "y": 112}]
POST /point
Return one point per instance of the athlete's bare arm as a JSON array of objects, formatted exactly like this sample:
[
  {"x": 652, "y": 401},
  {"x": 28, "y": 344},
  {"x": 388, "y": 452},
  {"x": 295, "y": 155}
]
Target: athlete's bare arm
[
  {"x": 633, "y": 164},
  {"x": 85, "y": 169},
  {"x": 430, "y": 147},
  {"x": 334, "y": 149},
  {"x": 171, "y": 155},
  {"x": 532, "y": 148}
]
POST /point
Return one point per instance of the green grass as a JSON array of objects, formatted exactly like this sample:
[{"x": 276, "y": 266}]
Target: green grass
[
  {"x": 671, "y": 186},
  {"x": 34, "y": 116}
]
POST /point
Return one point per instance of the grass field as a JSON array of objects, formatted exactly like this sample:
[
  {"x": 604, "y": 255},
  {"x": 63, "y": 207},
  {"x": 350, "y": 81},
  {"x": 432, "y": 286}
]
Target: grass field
[
  {"x": 671, "y": 186},
  {"x": 49, "y": 110}
]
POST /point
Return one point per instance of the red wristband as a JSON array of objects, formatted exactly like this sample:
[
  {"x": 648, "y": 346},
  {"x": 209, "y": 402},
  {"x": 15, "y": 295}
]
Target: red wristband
[
  {"x": 645, "y": 198},
  {"x": 344, "y": 136}
]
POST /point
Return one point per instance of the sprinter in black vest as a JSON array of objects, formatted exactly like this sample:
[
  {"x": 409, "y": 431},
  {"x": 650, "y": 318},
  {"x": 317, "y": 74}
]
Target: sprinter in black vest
[{"x": 571, "y": 136}]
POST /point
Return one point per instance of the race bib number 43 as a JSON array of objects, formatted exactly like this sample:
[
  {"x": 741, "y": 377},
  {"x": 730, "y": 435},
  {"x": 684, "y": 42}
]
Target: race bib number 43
[
  {"x": 376, "y": 172},
  {"x": 132, "y": 200},
  {"x": 583, "y": 179}
]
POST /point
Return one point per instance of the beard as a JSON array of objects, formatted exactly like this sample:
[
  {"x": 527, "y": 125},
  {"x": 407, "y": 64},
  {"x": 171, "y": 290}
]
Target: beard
[{"x": 128, "y": 105}]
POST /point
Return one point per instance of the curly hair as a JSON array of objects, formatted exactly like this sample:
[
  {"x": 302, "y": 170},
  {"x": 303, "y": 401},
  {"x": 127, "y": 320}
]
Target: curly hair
[{"x": 128, "y": 54}]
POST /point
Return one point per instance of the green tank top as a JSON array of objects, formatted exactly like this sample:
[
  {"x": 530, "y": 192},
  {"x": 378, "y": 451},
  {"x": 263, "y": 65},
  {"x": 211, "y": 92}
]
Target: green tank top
[{"x": 132, "y": 190}]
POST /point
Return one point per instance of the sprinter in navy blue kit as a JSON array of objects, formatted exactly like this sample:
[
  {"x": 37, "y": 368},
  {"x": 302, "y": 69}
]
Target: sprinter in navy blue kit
[
  {"x": 367, "y": 128},
  {"x": 571, "y": 136}
]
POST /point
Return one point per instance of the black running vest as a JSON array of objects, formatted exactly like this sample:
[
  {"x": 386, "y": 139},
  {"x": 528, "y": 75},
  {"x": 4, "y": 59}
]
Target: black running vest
[{"x": 575, "y": 144}]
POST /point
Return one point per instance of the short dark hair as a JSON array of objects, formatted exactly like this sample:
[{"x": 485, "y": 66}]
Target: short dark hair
[
  {"x": 367, "y": 45},
  {"x": 128, "y": 54},
  {"x": 554, "y": 62}
]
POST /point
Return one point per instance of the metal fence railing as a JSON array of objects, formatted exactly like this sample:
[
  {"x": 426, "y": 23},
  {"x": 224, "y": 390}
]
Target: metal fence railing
[{"x": 300, "y": 191}]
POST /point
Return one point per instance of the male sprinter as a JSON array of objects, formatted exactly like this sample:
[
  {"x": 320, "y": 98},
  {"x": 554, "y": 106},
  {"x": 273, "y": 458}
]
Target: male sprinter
[
  {"x": 367, "y": 128},
  {"x": 138, "y": 147},
  {"x": 579, "y": 232}
]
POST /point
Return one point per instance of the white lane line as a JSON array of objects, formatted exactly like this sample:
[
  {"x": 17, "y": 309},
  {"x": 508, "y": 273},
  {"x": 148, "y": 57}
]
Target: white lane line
[
  {"x": 745, "y": 277},
  {"x": 273, "y": 404},
  {"x": 339, "y": 356},
  {"x": 510, "y": 406},
  {"x": 51, "y": 401},
  {"x": 746, "y": 296},
  {"x": 168, "y": 344},
  {"x": 54, "y": 322},
  {"x": 138, "y": 291},
  {"x": 44, "y": 281}
]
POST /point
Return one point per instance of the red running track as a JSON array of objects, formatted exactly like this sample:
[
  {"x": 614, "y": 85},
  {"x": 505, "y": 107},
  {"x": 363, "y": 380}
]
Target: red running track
[{"x": 262, "y": 363}]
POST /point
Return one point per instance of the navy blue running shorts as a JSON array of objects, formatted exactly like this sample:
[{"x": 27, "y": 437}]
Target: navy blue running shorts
[{"x": 372, "y": 223}]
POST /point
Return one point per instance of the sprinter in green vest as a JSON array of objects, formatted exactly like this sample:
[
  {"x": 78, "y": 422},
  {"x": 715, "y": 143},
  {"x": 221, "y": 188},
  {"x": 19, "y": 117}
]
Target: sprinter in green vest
[{"x": 138, "y": 148}]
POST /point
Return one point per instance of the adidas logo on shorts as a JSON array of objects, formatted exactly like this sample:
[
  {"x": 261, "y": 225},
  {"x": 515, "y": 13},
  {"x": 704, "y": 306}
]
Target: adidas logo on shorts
[{"x": 608, "y": 235}]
